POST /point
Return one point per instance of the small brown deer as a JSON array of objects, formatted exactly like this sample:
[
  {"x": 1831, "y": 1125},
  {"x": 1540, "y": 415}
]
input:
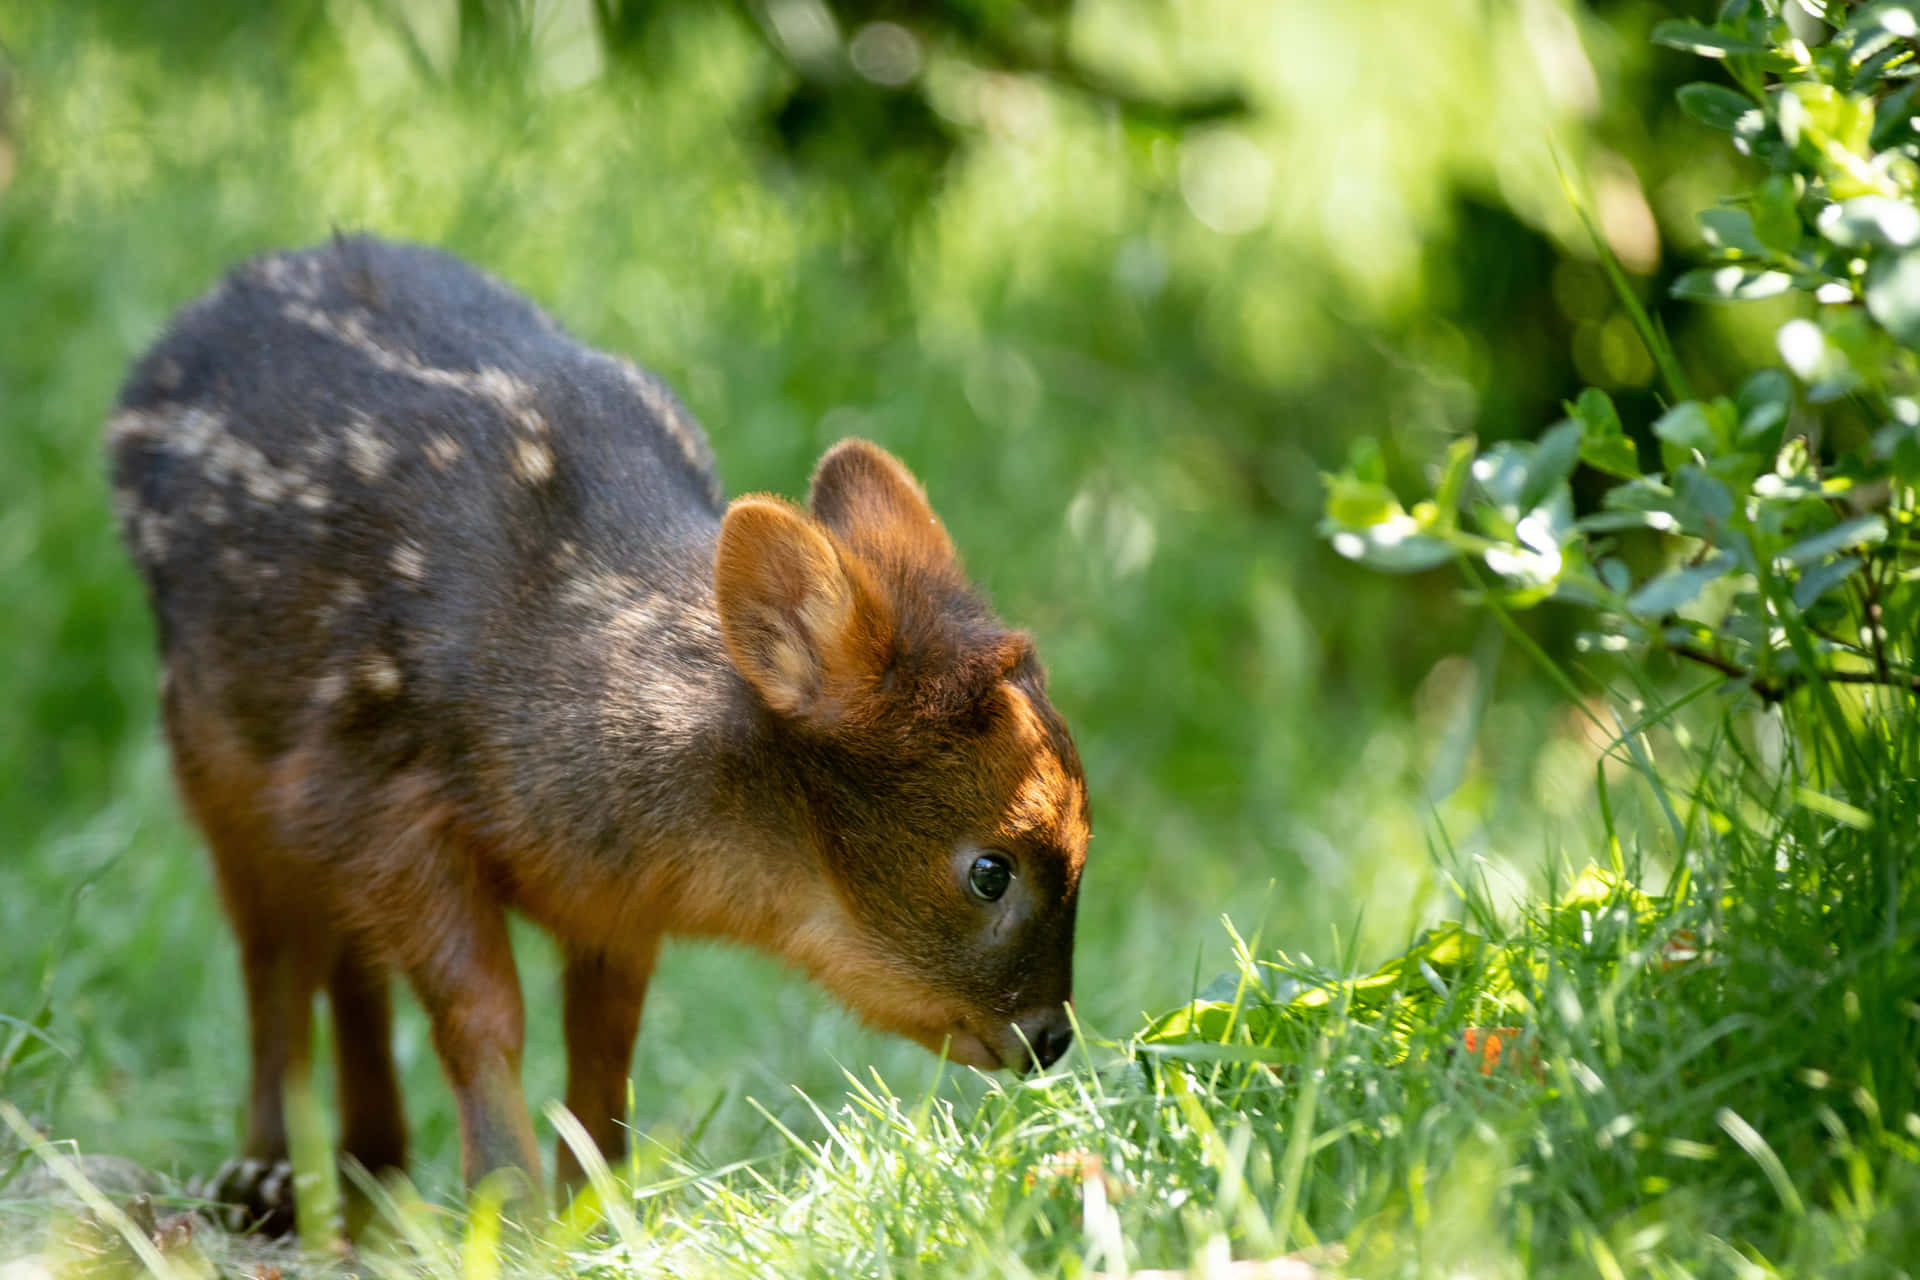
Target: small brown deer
[{"x": 453, "y": 620}]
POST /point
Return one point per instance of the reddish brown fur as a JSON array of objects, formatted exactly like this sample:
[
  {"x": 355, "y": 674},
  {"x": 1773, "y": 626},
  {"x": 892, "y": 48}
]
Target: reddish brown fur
[{"x": 455, "y": 626}]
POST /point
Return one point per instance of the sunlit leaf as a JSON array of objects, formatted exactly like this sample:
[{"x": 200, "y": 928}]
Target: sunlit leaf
[
  {"x": 1803, "y": 347},
  {"x": 1355, "y": 503},
  {"x": 1732, "y": 282},
  {"x": 1615, "y": 521},
  {"x": 1391, "y": 546},
  {"x": 1895, "y": 20},
  {"x": 1597, "y": 887},
  {"x": 1692, "y": 37},
  {"x": 1826, "y": 117},
  {"x": 1893, "y": 295},
  {"x": 1871, "y": 220}
]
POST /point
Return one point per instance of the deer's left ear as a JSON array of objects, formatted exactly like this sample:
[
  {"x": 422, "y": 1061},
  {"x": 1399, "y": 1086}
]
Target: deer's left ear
[
  {"x": 873, "y": 504},
  {"x": 801, "y": 622}
]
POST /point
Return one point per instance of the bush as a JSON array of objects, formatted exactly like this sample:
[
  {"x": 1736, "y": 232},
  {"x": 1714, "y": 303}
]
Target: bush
[{"x": 1782, "y": 514}]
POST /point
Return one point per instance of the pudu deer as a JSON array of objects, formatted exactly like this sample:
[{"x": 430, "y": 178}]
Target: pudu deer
[{"x": 454, "y": 620}]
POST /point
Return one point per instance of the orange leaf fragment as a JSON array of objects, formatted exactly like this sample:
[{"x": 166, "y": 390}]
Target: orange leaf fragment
[{"x": 1496, "y": 1046}]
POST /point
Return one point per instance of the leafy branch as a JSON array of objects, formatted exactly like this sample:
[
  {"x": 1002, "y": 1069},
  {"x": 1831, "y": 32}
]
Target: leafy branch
[{"x": 1779, "y": 519}]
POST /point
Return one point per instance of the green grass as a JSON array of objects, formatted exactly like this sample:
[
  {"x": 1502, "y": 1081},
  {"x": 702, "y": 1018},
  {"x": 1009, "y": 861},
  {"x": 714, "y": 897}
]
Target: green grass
[
  {"x": 1713, "y": 1075},
  {"x": 1130, "y": 467}
]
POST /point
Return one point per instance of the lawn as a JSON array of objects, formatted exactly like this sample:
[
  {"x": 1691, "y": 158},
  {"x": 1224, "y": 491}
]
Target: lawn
[{"x": 1122, "y": 283}]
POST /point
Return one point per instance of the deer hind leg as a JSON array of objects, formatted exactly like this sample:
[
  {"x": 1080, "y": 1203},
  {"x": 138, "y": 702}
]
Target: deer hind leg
[
  {"x": 424, "y": 904},
  {"x": 603, "y": 992},
  {"x": 287, "y": 943},
  {"x": 373, "y": 1128},
  {"x": 465, "y": 979}
]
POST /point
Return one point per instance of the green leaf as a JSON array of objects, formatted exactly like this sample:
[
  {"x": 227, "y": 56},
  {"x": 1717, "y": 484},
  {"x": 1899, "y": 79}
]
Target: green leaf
[
  {"x": 1597, "y": 889},
  {"x": 1858, "y": 532},
  {"x": 1677, "y": 587},
  {"x": 1604, "y": 445},
  {"x": 1893, "y": 295},
  {"x": 1870, "y": 221},
  {"x": 1893, "y": 116},
  {"x": 1776, "y": 213},
  {"x": 1730, "y": 230},
  {"x": 1615, "y": 521},
  {"x": 1453, "y": 483},
  {"x": 1412, "y": 553},
  {"x": 1554, "y": 458},
  {"x": 1687, "y": 426},
  {"x": 1365, "y": 522},
  {"x": 1827, "y": 117},
  {"x": 1895, "y": 20},
  {"x": 1877, "y": 35},
  {"x": 1355, "y": 503},
  {"x": 1365, "y": 461},
  {"x": 1704, "y": 495},
  {"x": 1714, "y": 105},
  {"x": 1641, "y": 494},
  {"x": 1764, "y": 402},
  {"x": 1820, "y": 579},
  {"x": 1733, "y": 282},
  {"x": 1804, "y": 348},
  {"x": 1691, "y": 37},
  {"x": 1209, "y": 1021},
  {"x": 1501, "y": 473}
]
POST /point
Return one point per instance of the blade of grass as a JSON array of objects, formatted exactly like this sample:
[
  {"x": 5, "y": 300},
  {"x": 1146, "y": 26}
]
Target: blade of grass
[
  {"x": 1756, "y": 1147},
  {"x": 1293, "y": 1164},
  {"x": 616, "y": 1208},
  {"x": 1658, "y": 348}
]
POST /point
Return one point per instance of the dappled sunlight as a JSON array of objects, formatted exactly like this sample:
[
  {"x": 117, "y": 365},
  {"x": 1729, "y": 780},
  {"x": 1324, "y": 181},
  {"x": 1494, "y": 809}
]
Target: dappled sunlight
[{"x": 1142, "y": 293}]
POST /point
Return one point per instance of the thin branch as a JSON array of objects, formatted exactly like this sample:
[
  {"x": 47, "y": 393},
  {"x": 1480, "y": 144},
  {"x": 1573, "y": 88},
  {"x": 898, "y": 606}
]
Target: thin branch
[
  {"x": 1777, "y": 689},
  {"x": 1874, "y": 614}
]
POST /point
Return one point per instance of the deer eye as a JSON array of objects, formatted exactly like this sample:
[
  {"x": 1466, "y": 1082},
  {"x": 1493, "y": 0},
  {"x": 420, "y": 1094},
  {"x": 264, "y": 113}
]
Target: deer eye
[{"x": 989, "y": 876}]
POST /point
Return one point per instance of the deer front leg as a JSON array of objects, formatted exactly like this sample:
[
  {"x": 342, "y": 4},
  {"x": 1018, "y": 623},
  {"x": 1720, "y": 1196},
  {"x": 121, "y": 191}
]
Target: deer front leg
[{"x": 604, "y": 991}]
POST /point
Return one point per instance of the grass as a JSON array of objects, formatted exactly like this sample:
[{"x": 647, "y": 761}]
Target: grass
[
  {"x": 1715, "y": 1070},
  {"x": 1702, "y": 1074}
]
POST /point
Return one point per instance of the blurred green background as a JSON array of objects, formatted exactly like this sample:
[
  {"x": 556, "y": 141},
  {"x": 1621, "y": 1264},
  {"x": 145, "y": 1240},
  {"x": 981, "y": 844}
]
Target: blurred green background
[{"x": 1118, "y": 279}]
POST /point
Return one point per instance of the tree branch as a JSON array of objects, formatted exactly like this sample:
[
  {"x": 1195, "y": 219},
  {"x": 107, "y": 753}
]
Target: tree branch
[{"x": 1778, "y": 689}]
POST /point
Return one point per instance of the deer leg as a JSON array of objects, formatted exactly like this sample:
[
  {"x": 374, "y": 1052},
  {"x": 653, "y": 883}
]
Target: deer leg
[{"x": 603, "y": 992}]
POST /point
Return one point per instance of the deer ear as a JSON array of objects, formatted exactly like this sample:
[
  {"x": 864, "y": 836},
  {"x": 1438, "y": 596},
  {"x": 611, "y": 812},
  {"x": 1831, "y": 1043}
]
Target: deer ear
[
  {"x": 799, "y": 619},
  {"x": 866, "y": 496}
]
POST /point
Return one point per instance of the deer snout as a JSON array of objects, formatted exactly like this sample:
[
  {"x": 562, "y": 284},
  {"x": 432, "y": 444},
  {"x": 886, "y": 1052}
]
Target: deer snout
[{"x": 1036, "y": 1040}]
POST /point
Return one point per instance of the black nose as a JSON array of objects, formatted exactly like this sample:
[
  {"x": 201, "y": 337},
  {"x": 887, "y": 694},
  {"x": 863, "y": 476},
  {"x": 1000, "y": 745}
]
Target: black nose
[{"x": 1047, "y": 1035}]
